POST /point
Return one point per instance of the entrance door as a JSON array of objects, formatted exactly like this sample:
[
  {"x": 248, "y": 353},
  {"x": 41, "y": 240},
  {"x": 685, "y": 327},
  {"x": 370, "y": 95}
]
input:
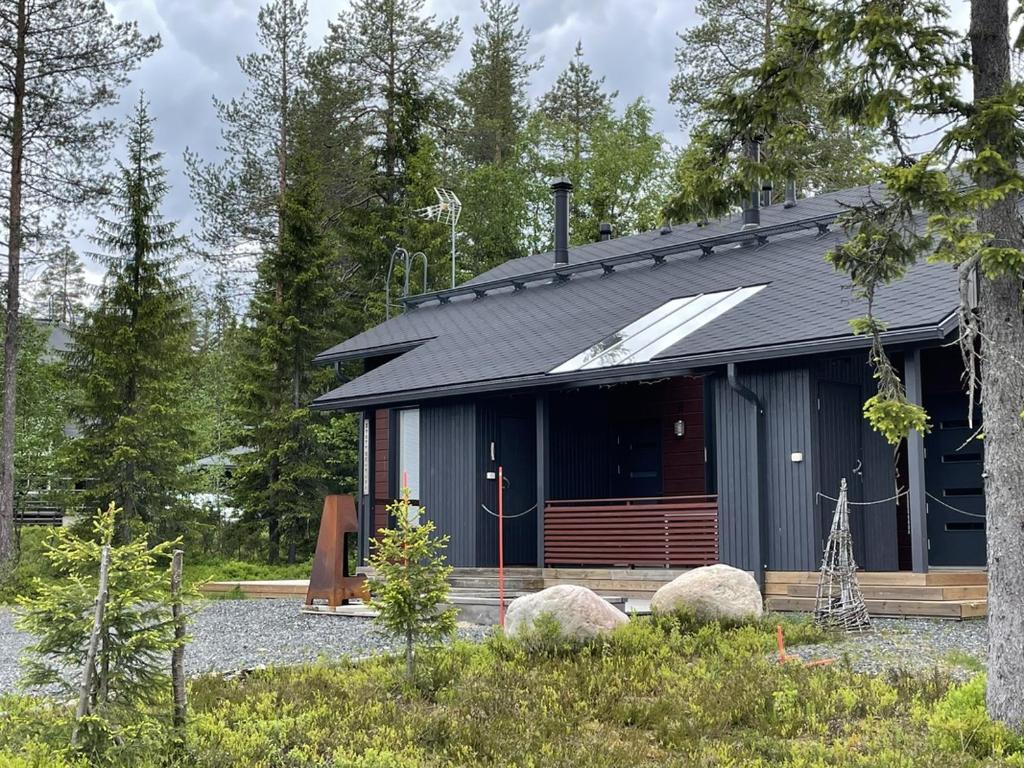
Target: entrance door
[
  {"x": 956, "y": 502},
  {"x": 839, "y": 434},
  {"x": 515, "y": 453},
  {"x": 637, "y": 455}
]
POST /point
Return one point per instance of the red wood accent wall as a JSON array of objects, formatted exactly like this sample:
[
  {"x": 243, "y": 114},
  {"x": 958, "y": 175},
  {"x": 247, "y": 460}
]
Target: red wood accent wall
[
  {"x": 381, "y": 452},
  {"x": 668, "y": 531},
  {"x": 682, "y": 458}
]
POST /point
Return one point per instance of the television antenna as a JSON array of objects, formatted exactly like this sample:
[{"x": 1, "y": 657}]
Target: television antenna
[{"x": 445, "y": 211}]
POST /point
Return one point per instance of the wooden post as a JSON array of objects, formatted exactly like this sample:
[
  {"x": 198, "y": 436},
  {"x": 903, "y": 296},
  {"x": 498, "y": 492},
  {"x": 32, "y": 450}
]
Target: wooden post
[
  {"x": 178, "y": 652},
  {"x": 542, "y": 432},
  {"x": 85, "y": 692},
  {"x": 917, "y": 504}
]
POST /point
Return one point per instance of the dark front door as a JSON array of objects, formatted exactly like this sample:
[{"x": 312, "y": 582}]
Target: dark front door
[
  {"x": 839, "y": 424},
  {"x": 637, "y": 456},
  {"x": 956, "y": 495},
  {"x": 515, "y": 453}
]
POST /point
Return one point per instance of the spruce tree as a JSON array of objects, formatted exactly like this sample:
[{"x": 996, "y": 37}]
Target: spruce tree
[
  {"x": 493, "y": 181},
  {"x": 293, "y": 315},
  {"x": 131, "y": 358},
  {"x": 904, "y": 63},
  {"x": 61, "y": 291},
  {"x": 64, "y": 61},
  {"x": 815, "y": 151}
]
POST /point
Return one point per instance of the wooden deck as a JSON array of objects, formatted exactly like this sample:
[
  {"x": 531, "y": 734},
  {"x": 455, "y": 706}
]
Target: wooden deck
[{"x": 947, "y": 594}]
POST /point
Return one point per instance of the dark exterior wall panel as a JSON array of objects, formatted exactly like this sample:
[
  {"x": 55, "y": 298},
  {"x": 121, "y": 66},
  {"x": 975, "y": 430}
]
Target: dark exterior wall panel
[
  {"x": 788, "y": 504},
  {"x": 448, "y": 476}
]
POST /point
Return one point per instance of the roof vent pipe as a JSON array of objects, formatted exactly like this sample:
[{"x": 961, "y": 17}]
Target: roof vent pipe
[
  {"x": 666, "y": 226},
  {"x": 560, "y": 189},
  {"x": 790, "y": 193},
  {"x": 752, "y": 211},
  {"x": 604, "y": 231}
]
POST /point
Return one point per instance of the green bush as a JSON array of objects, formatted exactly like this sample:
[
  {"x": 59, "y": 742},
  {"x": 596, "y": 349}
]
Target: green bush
[
  {"x": 32, "y": 564},
  {"x": 655, "y": 692},
  {"x": 959, "y": 723}
]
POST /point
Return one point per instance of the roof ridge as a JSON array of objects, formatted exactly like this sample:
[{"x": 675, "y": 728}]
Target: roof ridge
[{"x": 658, "y": 254}]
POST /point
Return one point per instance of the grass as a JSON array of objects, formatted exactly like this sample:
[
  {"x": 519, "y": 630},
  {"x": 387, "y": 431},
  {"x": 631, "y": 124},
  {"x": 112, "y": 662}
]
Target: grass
[
  {"x": 668, "y": 692},
  {"x": 32, "y": 564}
]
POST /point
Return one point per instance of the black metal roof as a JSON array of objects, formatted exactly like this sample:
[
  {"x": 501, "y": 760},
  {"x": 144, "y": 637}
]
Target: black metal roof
[{"x": 508, "y": 327}]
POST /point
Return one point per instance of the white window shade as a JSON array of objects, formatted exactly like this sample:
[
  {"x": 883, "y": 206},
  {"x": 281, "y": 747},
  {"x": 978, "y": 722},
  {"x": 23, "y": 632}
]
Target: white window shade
[
  {"x": 409, "y": 455},
  {"x": 659, "y": 329}
]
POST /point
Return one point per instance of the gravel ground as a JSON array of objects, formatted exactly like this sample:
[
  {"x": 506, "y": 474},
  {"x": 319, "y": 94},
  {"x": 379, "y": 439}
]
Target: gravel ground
[
  {"x": 911, "y": 645},
  {"x": 229, "y": 635}
]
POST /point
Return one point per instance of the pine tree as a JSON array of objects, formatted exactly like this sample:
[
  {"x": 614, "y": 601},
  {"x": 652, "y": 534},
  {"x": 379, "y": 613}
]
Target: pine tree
[
  {"x": 63, "y": 61},
  {"x": 574, "y": 104},
  {"x": 393, "y": 55},
  {"x": 62, "y": 292},
  {"x": 239, "y": 198},
  {"x": 293, "y": 316},
  {"x": 131, "y": 357},
  {"x": 493, "y": 90}
]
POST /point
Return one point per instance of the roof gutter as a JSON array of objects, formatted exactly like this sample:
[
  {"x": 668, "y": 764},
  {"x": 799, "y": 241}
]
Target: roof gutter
[{"x": 755, "y": 469}]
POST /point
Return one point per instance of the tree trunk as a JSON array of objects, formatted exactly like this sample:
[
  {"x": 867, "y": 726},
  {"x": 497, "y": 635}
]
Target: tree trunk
[
  {"x": 1002, "y": 386},
  {"x": 273, "y": 541},
  {"x": 7, "y": 543},
  {"x": 86, "y": 689},
  {"x": 178, "y": 652},
  {"x": 408, "y": 655}
]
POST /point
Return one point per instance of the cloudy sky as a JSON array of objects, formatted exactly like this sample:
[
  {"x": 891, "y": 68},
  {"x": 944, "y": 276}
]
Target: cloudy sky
[{"x": 630, "y": 42}]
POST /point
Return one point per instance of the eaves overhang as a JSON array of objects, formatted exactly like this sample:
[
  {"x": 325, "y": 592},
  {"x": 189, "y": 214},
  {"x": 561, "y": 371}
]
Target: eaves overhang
[{"x": 328, "y": 358}]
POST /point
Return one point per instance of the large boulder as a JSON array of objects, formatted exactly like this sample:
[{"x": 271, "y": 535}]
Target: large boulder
[
  {"x": 580, "y": 613},
  {"x": 712, "y": 592}
]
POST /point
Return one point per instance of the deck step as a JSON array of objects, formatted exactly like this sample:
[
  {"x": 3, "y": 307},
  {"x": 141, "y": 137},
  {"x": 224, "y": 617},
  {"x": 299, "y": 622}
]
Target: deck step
[
  {"x": 948, "y": 609},
  {"x": 886, "y": 578},
  {"x": 884, "y": 592}
]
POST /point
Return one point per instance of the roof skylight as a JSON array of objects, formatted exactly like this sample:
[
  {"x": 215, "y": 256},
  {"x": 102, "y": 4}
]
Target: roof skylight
[{"x": 659, "y": 329}]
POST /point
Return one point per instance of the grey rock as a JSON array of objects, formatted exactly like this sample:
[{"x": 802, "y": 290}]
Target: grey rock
[
  {"x": 580, "y": 613},
  {"x": 712, "y": 592}
]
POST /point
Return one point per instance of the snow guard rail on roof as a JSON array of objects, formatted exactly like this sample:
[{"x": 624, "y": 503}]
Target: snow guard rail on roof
[{"x": 658, "y": 255}]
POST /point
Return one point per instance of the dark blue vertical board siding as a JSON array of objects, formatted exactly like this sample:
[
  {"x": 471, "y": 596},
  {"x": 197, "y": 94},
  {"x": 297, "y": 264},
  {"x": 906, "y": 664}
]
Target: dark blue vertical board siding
[
  {"x": 448, "y": 475},
  {"x": 879, "y": 546},
  {"x": 788, "y": 506},
  {"x": 515, "y": 451}
]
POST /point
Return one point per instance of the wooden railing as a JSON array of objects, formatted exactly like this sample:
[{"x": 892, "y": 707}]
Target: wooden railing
[{"x": 663, "y": 531}]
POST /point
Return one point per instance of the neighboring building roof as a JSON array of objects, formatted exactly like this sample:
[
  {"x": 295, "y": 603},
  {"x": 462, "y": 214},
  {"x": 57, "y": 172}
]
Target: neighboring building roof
[
  {"x": 225, "y": 460},
  {"x": 515, "y": 338}
]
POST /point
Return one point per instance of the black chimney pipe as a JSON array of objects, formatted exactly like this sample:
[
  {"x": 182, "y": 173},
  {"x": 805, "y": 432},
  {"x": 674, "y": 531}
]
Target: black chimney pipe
[
  {"x": 560, "y": 189},
  {"x": 604, "y": 231},
  {"x": 752, "y": 211},
  {"x": 790, "y": 194}
]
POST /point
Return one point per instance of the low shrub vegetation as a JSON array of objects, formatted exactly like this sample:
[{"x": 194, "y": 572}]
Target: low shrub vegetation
[{"x": 667, "y": 692}]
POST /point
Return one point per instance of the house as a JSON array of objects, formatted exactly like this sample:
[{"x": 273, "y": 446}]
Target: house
[{"x": 670, "y": 399}]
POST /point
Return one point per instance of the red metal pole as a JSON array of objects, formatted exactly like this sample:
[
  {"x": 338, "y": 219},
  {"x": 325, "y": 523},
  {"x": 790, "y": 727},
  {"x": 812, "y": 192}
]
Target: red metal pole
[{"x": 501, "y": 548}]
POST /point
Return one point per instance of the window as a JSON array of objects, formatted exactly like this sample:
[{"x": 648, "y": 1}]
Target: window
[
  {"x": 409, "y": 456},
  {"x": 648, "y": 336}
]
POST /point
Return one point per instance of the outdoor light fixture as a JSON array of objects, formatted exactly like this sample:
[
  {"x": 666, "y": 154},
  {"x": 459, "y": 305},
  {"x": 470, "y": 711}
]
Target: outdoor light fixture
[{"x": 679, "y": 428}]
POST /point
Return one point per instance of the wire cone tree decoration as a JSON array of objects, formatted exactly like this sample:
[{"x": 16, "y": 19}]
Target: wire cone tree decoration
[{"x": 839, "y": 601}]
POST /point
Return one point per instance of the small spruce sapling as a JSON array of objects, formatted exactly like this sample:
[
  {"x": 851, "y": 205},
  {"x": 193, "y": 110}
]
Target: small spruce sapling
[
  {"x": 411, "y": 581},
  {"x": 130, "y": 675}
]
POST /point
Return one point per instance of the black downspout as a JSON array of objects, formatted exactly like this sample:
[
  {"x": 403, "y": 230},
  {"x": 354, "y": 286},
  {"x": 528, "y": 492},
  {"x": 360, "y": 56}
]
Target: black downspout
[{"x": 757, "y": 473}]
